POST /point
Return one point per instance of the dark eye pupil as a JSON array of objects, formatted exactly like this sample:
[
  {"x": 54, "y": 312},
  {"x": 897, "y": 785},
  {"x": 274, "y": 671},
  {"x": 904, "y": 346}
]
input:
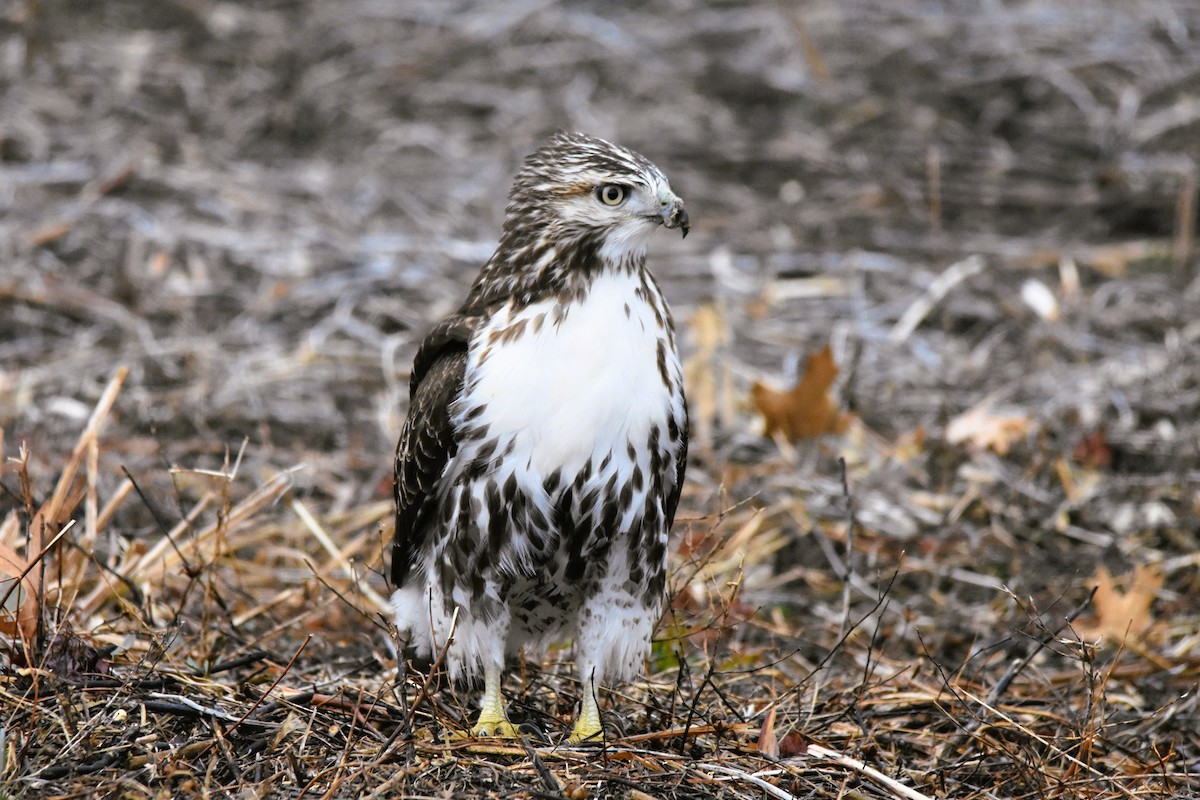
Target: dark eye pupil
[{"x": 612, "y": 194}]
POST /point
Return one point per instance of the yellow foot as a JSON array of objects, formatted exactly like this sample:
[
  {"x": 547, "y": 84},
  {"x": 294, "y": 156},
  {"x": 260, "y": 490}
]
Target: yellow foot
[
  {"x": 494, "y": 727},
  {"x": 493, "y": 722},
  {"x": 588, "y": 729},
  {"x": 586, "y": 736}
]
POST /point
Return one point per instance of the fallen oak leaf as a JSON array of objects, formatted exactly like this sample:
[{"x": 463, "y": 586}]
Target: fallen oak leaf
[
  {"x": 806, "y": 410},
  {"x": 1121, "y": 614}
]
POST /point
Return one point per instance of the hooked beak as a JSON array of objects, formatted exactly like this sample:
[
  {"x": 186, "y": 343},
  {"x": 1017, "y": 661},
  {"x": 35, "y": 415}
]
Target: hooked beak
[{"x": 674, "y": 216}]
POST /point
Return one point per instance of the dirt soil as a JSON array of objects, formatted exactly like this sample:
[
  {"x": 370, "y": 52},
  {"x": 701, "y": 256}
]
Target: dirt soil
[{"x": 225, "y": 226}]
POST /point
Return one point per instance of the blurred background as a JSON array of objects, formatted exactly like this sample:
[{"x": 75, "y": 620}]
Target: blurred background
[{"x": 983, "y": 208}]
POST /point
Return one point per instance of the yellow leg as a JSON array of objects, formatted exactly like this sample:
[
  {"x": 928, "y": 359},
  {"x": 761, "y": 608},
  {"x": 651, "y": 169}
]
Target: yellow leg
[
  {"x": 588, "y": 729},
  {"x": 492, "y": 719}
]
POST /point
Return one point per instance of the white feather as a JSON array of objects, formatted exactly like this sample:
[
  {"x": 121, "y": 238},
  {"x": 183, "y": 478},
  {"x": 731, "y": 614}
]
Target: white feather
[
  {"x": 577, "y": 389},
  {"x": 555, "y": 396}
]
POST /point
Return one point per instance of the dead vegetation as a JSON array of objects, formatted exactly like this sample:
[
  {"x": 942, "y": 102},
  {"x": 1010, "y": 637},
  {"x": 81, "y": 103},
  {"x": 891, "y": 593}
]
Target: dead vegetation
[{"x": 224, "y": 226}]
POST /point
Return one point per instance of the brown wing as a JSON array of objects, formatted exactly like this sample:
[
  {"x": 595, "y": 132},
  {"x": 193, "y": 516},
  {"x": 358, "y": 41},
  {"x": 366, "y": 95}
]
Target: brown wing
[
  {"x": 680, "y": 468},
  {"x": 428, "y": 440}
]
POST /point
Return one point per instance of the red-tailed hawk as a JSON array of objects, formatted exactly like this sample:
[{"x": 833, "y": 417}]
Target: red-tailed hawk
[{"x": 540, "y": 465}]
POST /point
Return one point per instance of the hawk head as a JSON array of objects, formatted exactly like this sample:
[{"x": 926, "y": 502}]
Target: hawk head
[{"x": 577, "y": 190}]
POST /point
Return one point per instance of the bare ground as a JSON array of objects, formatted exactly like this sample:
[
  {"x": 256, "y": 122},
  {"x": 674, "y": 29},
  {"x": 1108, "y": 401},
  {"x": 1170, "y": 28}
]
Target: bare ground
[{"x": 224, "y": 227}]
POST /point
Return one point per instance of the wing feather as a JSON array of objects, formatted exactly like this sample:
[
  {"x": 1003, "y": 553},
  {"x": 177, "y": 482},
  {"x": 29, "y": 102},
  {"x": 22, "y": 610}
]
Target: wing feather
[
  {"x": 428, "y": 440},
  {"x": 680, "y": 468}
]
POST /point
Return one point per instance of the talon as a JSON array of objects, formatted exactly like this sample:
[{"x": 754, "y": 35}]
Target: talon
[
  {"x": 494, "y": 728},
  {"x": 586, "y": 737}
]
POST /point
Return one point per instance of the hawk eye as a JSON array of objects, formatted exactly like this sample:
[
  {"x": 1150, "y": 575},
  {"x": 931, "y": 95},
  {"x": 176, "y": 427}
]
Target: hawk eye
[{"x": 612, "y": 194}]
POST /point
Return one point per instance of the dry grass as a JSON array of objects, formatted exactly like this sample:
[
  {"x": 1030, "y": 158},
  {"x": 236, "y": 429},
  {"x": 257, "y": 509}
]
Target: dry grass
[
  {"x": 207, "y": 662},
  {"x": 223, "y": 228}
]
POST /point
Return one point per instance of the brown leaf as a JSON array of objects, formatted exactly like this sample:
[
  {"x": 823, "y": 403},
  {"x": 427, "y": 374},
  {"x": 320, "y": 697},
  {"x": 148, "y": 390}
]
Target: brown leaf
[
  {"x": 794, "y": 744},
  {"x": 1093, "y": 451},
  {"x": 767, "y": 743},
  {"x": 806, "y": 410},
  {"x": 1114, "y": 260},
  {"x": 981, "y": 429},
  {"x": 1123, "y": 613},
  {"x": 909, "y": 446},
  {"x": 19, "y": 613},
  {"x": 69, "y": 656}
]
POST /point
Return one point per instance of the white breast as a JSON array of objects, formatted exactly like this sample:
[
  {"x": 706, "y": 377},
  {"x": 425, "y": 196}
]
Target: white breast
[{"x": 576, "y": 389}]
